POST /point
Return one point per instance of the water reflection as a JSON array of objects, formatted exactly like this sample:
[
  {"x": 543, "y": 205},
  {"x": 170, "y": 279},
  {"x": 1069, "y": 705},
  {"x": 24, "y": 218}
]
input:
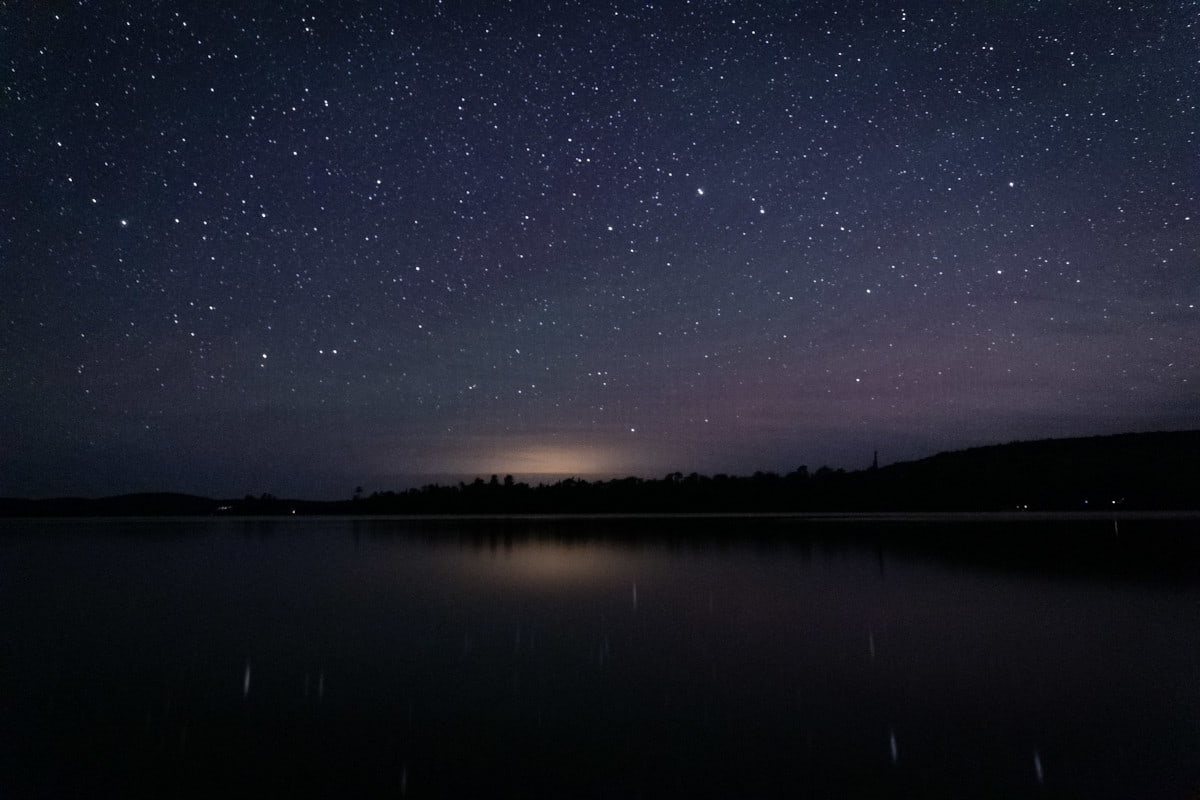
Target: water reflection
[
  {"x": 555, "y": 567},
  {"x": 700, "y": 657}
]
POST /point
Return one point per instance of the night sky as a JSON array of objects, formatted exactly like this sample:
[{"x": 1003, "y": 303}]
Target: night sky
[{"x": 297, "y": 250}]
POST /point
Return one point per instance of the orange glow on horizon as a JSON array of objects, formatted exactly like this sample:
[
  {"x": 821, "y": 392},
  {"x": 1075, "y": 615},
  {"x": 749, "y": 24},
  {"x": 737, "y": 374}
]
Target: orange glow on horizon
[{"x": 556, "y": 460}]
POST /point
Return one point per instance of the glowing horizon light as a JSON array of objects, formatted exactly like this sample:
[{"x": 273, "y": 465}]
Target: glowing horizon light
[
  {"x": 552, "y": 460},
  {"x": 531, "y": 461}
]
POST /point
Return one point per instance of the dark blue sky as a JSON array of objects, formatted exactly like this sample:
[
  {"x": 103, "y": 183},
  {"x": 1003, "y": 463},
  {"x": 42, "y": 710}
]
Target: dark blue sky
[{"x": 300, "y": 250}]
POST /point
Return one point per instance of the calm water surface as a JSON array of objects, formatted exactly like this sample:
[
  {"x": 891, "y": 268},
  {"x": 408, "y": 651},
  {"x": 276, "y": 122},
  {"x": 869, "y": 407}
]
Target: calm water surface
[{"x": 606, "y": 658}]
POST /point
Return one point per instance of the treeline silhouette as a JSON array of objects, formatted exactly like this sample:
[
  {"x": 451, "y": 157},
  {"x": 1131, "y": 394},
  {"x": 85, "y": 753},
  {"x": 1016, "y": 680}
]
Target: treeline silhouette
[
  {"x": 1147, "y": 471},
  {"x": 1127, "y": 471}
]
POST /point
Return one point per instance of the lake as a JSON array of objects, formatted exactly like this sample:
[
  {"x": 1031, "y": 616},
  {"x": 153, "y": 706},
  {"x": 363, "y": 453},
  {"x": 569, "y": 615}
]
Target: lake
[{"x": 608, "y": 657}]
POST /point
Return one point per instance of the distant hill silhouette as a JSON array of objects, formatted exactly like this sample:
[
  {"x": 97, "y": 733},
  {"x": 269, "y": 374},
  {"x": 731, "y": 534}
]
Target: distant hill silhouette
[
  {"x": 1132, "y": 471},
  {"x": 1137, "y": 471},
  {"x": 126, "y": 505}
]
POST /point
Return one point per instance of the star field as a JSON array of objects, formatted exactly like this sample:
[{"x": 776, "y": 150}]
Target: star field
[{"x": 305, "y": 248}]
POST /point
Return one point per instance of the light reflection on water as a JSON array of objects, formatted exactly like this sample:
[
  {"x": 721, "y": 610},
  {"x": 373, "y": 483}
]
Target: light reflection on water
[
  {"x": 537, "y": 565},
  {"x": 602, "y": 658}
]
